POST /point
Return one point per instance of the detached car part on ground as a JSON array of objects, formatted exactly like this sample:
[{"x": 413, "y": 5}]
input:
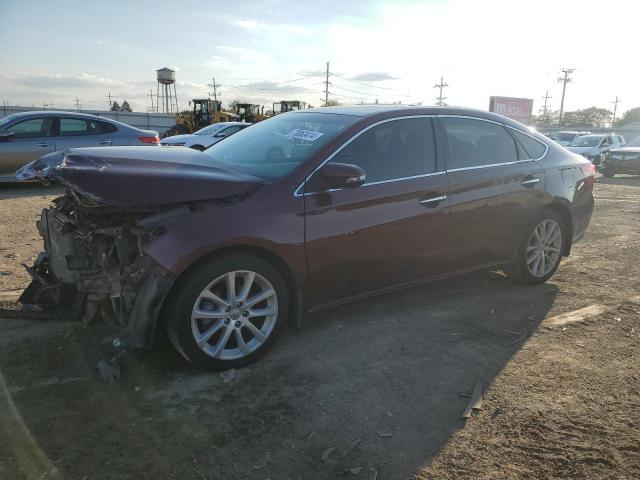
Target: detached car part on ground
[{"x": 303, "y": 211}]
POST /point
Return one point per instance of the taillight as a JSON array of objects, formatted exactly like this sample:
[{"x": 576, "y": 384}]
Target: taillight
[
  {"x": 589, "y": 169},
  {"x": 151, "y": 140}
]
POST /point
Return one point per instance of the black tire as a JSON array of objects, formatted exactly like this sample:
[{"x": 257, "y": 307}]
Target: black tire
[
  {"x": 518, "y": 270},
  {"x": 608, "y": 173},
  {"x": 182, "y": 301},
  {"x": 200, "y": 148}
]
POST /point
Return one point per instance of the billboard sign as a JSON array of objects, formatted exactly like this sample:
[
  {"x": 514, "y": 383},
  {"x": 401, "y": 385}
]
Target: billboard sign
[{"x": 519, "y": 109}]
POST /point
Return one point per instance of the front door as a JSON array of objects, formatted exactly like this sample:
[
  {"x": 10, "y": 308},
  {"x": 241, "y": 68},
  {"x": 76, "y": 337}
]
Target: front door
[
  {"x": 31, "y": 140},
  {"x": 496, "y": 188},
  {"x": 388, "y": 232}
]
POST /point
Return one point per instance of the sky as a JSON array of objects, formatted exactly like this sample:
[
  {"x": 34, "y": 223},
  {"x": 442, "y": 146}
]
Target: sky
[{"x": 269, "y": 50}]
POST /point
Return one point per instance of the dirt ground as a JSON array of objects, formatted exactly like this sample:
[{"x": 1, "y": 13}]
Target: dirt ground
[{"x": 370, "y": 390}]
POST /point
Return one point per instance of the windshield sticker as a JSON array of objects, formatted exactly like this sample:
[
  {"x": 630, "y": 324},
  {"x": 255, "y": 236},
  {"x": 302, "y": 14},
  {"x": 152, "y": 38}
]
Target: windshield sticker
[{"x": 309, "y": 135}]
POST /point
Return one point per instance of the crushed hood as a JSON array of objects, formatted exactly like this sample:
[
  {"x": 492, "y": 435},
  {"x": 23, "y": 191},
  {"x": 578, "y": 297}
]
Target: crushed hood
[{"x": 140, "y": 176}]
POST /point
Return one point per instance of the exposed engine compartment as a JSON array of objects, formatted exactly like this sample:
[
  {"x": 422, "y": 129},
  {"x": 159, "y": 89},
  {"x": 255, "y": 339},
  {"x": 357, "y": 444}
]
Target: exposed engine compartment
[{"x": 93, "y": 265}]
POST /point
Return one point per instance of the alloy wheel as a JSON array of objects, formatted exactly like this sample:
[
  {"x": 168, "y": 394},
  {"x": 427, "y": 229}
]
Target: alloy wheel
[
  {"x": 544, "y": 248},
  {"x": 234, "y": 315}
]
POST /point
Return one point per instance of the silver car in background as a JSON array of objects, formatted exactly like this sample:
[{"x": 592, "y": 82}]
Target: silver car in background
[
  {"x": 205, "y": 137},
  {"x": 27, "y": 136}
]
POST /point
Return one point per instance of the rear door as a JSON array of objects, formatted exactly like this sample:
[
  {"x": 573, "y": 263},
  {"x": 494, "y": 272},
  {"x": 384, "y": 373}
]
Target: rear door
[
  {"x": 32, "y": 139},
  {"x": 496, "y": 188},
  {"x": 388, "y": 232},
  {"x": 74, "y": 132}
]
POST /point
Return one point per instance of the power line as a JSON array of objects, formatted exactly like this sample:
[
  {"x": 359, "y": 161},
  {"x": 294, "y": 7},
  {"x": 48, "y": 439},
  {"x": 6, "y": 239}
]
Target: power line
[
  {"x": 564, "y": 80},
  {"x": 363, "y": 83}
]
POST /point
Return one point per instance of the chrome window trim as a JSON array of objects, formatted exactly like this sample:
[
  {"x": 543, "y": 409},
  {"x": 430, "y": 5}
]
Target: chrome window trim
[{"x": 298, "y": 193}]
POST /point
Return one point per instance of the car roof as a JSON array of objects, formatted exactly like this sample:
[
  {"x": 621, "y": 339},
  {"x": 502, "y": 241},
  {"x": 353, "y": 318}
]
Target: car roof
[{"x": 400, "y": 110}]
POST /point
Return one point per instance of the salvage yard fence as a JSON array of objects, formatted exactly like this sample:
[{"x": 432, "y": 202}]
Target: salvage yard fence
[{"x": 161, "y": 122}]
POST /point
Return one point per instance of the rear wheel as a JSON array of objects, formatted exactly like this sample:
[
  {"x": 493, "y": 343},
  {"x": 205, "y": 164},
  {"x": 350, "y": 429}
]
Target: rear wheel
[
  {"x": 606, "y": 172},
  {"x": 227, "y": 313},
  {"x": 540, "y": 251}
]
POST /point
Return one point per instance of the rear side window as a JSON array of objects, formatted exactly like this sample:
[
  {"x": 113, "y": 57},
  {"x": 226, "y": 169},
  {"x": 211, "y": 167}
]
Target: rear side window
[
  {"x": 475, "y": 143},
  {"x": 393, "y": 150},
  {"x": 33, "y": 128},
  {"x": 530, "y": 148},
  {"x": 105, "y": 127},
  {"x": 79, "y": 126}
]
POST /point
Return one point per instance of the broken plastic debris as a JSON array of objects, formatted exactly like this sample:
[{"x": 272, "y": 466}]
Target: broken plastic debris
[
  {"x": 228, "y": 375},
  {"x": 108, "y": 371},
  {"x": 475, "y": 402}
]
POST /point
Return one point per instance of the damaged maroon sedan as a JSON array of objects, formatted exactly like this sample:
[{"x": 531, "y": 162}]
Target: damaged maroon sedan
[{"x": 303, "y": 211}]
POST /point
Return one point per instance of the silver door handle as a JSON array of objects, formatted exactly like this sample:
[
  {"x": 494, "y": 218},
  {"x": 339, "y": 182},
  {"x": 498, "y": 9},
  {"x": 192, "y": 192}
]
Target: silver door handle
[
  {"x": 531, "y": 181},
  {"x": 105, "y": 142},
  {"x": 42, "y": 144},
  {"x": 433, "y": 201}
]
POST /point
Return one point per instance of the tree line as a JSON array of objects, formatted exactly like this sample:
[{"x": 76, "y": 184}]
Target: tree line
[{"x": 592, "y": 117}]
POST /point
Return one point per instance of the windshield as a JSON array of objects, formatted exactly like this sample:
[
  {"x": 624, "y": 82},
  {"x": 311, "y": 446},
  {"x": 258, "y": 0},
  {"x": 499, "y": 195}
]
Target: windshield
[
  {"x": 8, "y": 119},
  {"x": 586, "y": 141},
  {"x": 210, "y": 129},
  {"x": 274, "y": 147},
  {"x": 563, "y": 136}
]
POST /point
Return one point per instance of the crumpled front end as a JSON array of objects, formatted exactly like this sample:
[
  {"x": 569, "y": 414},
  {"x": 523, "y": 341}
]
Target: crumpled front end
[{"x": 93, "y": 266}]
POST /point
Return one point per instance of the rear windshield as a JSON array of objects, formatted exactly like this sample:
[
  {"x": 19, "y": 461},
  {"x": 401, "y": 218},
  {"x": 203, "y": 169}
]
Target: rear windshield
[
  {"x": 563, "y": 136},
  {"x": 274, "y": 147}
]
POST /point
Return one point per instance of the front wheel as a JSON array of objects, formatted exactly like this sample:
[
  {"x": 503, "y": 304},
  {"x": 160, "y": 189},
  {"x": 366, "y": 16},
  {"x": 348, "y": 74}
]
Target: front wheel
[
  {"x": 541, "y": 250},
  {"x": 227, "y": 313}
]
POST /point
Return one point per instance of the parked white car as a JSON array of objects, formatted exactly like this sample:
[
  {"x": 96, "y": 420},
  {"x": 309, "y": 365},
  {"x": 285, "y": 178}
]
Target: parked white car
[
  {"x": 593, "y": 146},
  {"x": 205, "y": 137},
  {"x": 564, "y": 138}
]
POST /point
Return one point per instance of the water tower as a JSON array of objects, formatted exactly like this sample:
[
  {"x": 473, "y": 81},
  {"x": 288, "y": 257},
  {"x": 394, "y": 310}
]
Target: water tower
[{"x": 166, "y": 100}]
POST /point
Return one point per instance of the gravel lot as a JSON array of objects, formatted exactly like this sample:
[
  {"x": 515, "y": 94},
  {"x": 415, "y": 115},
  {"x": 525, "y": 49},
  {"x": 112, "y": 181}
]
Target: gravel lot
[{"x": 370, "y": 390}]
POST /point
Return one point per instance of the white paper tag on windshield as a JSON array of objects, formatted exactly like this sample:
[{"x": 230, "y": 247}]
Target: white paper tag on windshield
[{"x": 308, "y": 135}]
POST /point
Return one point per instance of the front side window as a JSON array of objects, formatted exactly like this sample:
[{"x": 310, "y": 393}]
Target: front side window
[
  {"x": 393, "y": 150},
  {"x": 475, "y": 143},
  {"x": 274, "y": 147},
  {"x": 33, "y": 128}
]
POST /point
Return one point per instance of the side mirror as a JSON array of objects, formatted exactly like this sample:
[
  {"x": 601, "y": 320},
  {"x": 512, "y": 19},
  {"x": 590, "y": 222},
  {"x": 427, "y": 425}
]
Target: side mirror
[
  {"x": 220, "y": 135},
  {"x": 337, "y": 175},
  {"x": 5, "y": 136}
]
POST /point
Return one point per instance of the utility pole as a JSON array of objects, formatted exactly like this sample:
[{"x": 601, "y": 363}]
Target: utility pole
[
  {"x": 78, "y": 104},
  {"x": 440, "y": 100},
  {"x": 544, "y": 108},
  {"x": 615, "y": 110},
  {"x": 109, "y": 97},
  {"x": 215, "y": 87},
  {"x": 326, "y": 88},
  {"x": 565, "y": 79}
]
